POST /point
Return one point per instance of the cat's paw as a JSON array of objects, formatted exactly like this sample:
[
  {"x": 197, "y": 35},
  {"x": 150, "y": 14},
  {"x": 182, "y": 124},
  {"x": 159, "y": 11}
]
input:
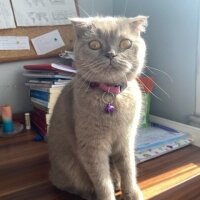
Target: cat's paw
[
  {"x": 136, "y": 194},
  {"x": 117, "y": 186}
]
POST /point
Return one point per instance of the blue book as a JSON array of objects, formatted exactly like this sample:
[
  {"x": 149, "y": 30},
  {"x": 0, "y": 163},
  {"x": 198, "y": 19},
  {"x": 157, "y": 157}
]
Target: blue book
[
  {"x": 156, "y": 135},
  {"x": 44, "y": 98},
  {"x": 39, "y": 94}
]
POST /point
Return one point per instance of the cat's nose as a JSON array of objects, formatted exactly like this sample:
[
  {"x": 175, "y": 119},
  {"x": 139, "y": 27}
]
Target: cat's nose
[{"x": 110, "y": 54}]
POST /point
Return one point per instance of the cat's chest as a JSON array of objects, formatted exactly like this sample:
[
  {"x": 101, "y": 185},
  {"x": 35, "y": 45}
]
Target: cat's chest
[{"x": 94, "y": 107}]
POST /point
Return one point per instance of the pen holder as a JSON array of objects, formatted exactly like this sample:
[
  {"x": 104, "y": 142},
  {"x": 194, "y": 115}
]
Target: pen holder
[{"x": 6, "y": 113}]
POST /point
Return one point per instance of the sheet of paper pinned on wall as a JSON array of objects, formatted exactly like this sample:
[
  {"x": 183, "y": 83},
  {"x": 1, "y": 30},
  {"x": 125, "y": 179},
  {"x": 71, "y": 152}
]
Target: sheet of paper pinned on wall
[
  {"x": 47, "y": 42},
  {"x": 6, "y": 15},
  {"x": 14, "y": 43},
  {"x": 43, "y": 12}
]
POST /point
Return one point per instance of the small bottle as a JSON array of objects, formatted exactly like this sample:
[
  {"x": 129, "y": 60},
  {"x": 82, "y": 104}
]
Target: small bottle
[{"x": 27, "y": 121}]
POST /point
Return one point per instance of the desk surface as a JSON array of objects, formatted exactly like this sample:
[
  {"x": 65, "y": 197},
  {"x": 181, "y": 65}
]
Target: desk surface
[{"x": 24, "y": 173}]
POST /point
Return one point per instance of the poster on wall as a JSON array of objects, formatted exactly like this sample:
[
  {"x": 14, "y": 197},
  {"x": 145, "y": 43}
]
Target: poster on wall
[
  {"x": 6, "y": 15},
  {"x": 43, "y": 12}
]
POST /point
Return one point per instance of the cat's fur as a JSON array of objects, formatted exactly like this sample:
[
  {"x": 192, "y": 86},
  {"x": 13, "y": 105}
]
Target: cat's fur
[{"x": 86, "y": 145}]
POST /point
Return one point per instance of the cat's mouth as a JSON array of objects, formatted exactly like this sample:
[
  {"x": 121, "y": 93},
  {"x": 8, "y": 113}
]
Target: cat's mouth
[{"x": 109, "y": 88}]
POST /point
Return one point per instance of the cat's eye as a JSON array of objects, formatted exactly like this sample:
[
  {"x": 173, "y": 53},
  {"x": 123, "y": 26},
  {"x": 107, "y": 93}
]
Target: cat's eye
[
  {"x": 94, "y": 44},
  {"x": 125, "y": 44}
]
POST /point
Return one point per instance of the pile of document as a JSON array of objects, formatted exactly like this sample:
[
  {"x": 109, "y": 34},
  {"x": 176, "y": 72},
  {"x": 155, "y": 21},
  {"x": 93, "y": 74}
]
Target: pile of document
[{"x": 157, "y": 140}]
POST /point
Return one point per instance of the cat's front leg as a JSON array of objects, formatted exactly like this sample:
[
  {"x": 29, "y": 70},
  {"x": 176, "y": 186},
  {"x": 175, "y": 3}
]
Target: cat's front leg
[
  {"x": 127, "y": 169},
  {"x": 96, "y": 163}
]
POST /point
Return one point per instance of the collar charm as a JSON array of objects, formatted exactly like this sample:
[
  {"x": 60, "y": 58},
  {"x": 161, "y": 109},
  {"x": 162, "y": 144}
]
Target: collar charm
[
  {"x": 110, "y": 91},
  {"x": 108, "y": 98},
  {"x": 109, "y": 108}
]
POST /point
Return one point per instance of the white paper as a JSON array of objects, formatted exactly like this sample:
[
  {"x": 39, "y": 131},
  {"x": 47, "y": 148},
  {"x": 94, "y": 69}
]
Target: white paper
[
  {"x": 43, "y": 12},
  {"x": 47, "y": 42},
  {"x": 14, "y": 43},
  {"x": 6, "y": 15}
]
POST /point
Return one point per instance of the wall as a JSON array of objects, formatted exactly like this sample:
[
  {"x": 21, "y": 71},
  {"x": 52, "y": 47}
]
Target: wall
[
  {"x": 172, "y": 47},
  {"x": 96, "y": 7},
  {"x": 12, "y": 89}
]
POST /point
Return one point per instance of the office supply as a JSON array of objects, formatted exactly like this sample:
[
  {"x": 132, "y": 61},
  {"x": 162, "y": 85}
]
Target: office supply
[
  {"x": 6, "y": 15},
  {"x": 66, "y": 32},
  {"x": 156, "y": 135},
  {"x": 159, "y": 150},
  {"x": 47, "y": 42},
  {"x": 157, "y": 140},
  {"x": 14, "y": 43},
  {"x": 43, "y": 13}
]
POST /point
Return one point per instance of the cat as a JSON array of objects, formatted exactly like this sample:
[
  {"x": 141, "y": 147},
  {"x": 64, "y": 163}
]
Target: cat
[{"x": 93, "y": 126}]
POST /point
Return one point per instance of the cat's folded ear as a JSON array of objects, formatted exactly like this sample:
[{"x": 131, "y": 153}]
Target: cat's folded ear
[
  {"x": 81, "y": 25},
  {"x": 139, "y": 24}
]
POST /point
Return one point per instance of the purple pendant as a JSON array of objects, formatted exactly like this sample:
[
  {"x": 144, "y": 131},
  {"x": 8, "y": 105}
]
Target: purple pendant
[{"x": 109, "y": 108}]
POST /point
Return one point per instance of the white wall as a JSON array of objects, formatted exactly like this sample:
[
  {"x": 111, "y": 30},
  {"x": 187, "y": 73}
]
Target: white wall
[
  {"x": 12, "y": 89},
  {"x": 172, "y": 47}
]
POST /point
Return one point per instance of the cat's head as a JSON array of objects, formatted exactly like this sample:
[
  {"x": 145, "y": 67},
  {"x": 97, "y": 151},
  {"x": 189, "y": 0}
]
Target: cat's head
[{"x": 109, "y": 49}]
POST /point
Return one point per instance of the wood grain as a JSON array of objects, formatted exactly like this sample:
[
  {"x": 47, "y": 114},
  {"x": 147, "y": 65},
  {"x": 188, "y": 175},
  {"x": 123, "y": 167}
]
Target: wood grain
[{"x": 24, "y": 170}]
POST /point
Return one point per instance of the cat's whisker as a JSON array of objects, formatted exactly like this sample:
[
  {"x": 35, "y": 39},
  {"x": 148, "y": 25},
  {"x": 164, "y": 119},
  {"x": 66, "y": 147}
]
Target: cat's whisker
[
  {"x": 125, "y": 77},
  {"x": 85, "y": 80},
  {"x": 149, "y": 70},
  {"x": 83, "y": 10},
  {"x": 161, "y": 71},
  {"x": 145, "y": 87},
  {"x": 158, "y": 86}
]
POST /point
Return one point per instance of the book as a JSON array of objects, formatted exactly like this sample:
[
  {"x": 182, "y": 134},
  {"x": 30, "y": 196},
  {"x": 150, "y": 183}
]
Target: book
[
  {"x": 39, "y": 114},
  {"x": 38, "y": 119},
  {"x": 43, "y": 103},
  {"x": 41, "y": 107},
  {"x": 48, "y": 118},
  {"x": 156, "y": 135},
  {"x": 44, "y": 85},
  {"x": 42, "y": 114},
  {"x": 47, "y": 89},
  {"x": 39, "y": 128},
  {"x": 157, "y": 140},
  {"x": 162, "y": 149},
  {"x": 51, "y": 82},
  {"x": 41, "y": 74},
  {"x": 52, "y": 66},
  {"x": 42, "y": 95}
]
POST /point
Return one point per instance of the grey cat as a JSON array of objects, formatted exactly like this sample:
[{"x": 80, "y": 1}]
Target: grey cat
[{"x": 93, "y": 126}]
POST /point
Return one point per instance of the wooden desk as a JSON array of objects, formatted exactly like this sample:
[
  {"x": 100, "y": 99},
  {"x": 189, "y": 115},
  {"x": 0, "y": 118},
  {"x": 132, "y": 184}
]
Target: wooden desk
[{"x": 24, "y": 173}]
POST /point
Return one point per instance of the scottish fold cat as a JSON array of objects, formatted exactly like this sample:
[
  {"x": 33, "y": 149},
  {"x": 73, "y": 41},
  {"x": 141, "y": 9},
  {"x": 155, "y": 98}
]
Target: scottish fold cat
[{"x": 94, "y": 123}]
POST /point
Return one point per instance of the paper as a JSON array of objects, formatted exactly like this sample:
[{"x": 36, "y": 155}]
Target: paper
[
  {"x": 14, "y": 43},
  {"x": 43, "y": 12},
  {"x": 48, "y": 42},
  {"x": 6, "y": 15}
]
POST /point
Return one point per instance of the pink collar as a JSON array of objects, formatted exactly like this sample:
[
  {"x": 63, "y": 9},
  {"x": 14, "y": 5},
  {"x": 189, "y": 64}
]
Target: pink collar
[{"x": 114, "y": 89}]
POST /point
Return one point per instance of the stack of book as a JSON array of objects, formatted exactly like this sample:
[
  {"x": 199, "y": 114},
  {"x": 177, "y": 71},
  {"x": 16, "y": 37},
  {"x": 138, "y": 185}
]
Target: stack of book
[
  {"x": 156, "y": 140},
  {"x": 46, "y": 82}
]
